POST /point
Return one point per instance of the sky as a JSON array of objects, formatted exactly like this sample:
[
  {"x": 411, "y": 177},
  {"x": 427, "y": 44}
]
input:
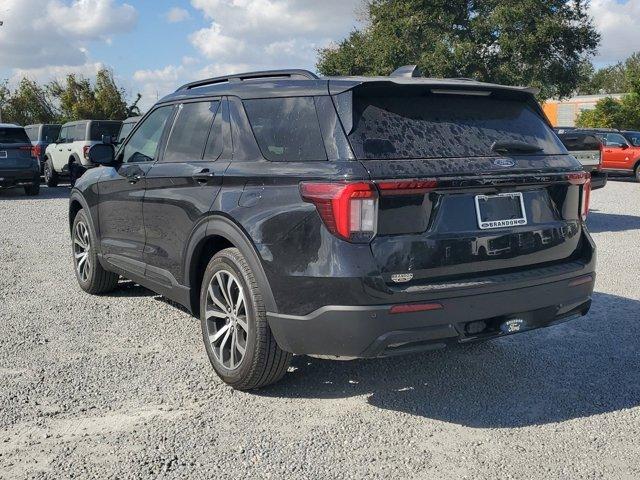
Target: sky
[{"x": 153, "y": 46}]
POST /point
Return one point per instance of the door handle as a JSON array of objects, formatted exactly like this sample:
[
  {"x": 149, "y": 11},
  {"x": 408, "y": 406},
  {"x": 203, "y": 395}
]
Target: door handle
[
  {"x": 134, "y": 178},
  {"x": 204, "y": 176}
]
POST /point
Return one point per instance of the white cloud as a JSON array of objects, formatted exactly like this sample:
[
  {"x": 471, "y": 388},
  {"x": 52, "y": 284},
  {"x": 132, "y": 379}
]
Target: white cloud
[
  {"x": 617, "y": 24},
  {"x": 44, "y": 74},
  {"x": 271, "y": 33},
  {"x": 49, "y": 33},
  {"x": 176, "y": 15}
]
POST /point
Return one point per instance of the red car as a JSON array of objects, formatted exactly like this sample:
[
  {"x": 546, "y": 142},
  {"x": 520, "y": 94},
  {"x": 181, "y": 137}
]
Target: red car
[{"x": 621, "y": 152}]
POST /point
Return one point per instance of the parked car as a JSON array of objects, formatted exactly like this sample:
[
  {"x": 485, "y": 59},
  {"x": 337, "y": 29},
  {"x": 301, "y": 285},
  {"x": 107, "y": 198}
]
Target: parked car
[
  {"x": 17, "y": 166},
  {"x": 620, "y": 152},
  {"x": 587, "y": 149},
  {"x": 126, "y": 128},
  {"x": 41, "y": 135},
  {"x": 340, "y": 217},
  {"x": 69, "y": 155}
]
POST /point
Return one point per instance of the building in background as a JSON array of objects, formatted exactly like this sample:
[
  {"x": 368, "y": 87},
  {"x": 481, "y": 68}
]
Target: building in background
[{"x": 563, "y": 113}]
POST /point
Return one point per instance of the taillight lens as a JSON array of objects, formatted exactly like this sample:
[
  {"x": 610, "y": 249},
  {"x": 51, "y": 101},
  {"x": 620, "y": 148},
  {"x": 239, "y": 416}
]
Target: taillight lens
[
  {"x": 406, "y": 187},
  {"x": 349, "y": 210},
  {"x": 584, "y": 179},
  {"x": 29, "y": 149},
  {"x": 36, "y": 151},
  {"x": 85, "y": 151}
]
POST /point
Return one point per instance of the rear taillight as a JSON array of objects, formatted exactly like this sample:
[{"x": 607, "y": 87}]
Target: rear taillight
[
  {"x": 85, "y": 151},
  {"x": 349, "y": 210},
  {"x": 36, "y": 151},
  {"x": 584, "y": 179},
  {"x": 27, "y": 149}
]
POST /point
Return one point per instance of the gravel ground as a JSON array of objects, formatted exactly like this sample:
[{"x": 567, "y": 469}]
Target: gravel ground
[{"x": 120, "y": 387}]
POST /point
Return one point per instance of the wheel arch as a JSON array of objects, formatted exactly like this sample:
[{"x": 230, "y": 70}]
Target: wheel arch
[
  {"x": 77, "y": 203},
  {"x": 212, "y": 235}
]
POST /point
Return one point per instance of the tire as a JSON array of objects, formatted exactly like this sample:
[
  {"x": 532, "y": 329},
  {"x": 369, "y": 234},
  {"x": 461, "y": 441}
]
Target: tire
[
  {"x": 263, "y": 361},
  {"x": 32, "y": 190},
  {"x": 50, "y": 175},
  {"x": 637, "y": 172},
  {"x": 91, "y": 277}
]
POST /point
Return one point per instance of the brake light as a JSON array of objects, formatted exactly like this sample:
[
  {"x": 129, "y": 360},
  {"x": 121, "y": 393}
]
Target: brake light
[
  {"x": 85, "y": 151},
  {"x": 349, "y": 210},
  {"x": 584, "y": 179},
  {"x": 415, "y": 307},
  {"x": 25, "y": 149},
  {"x": 36, "y": 151}
]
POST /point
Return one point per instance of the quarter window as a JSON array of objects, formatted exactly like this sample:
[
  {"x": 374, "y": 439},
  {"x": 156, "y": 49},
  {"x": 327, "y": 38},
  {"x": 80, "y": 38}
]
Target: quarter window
[
  {"x": 190, "y": 130},
  {"x": 143, "y": 144},
  {"x": 287, "y": 129}
]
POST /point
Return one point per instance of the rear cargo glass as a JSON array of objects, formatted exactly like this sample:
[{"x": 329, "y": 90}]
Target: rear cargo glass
[
  {"x": 50, "y": 133},
  {"x": 98, "y": 129},
  {"x": 13, "y": 135},
  {"x": 444, "y": 126},
  {"x": 575, "y": 142}
]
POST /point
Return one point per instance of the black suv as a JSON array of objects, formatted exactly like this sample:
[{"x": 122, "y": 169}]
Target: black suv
[{"x": 340, "y": 217}]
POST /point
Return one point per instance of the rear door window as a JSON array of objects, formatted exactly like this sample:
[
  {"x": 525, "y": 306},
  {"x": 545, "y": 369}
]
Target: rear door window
[
  {"x": 50, "y": 133},
  {"x": 100, "y": 128},
  {"x": 287, "y": 129},
  {"x": 190, "y": 131},
  {"x": 13, "y": 135},
  {"x": 444, "y": 126}
]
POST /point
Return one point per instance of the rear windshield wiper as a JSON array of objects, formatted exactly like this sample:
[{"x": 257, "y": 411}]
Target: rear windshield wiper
[{"x": 515, "y": 147}]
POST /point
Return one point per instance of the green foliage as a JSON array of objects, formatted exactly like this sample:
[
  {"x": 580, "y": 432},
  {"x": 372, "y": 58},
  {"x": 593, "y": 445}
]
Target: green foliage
[
  {"x": 542, "y": 43},
  {"x": 622, "y": 77},
  {"x": 611, "y": 113},
  {"x": 75, "y": 98}
]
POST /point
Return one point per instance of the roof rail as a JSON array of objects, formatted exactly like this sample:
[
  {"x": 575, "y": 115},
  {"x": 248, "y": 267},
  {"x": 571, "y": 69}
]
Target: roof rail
[{"x": 294, "y": 74}]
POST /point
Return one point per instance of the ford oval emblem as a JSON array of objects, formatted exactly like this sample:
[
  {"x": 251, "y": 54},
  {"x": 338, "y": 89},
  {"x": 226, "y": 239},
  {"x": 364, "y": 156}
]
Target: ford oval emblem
[{"x": 504, "y": 162}]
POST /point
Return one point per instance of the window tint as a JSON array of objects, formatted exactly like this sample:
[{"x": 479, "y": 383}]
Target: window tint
[
  {"x": 143, "y": 144},
  {"x": 190, "y": 131},
  {"x": 98, "y": 129},
  {"x": 13, "y": 135},
  {"x": 444, "y": 126},
  {"x": 576, "y": 141},
  {"x": 50, "y": 133},
  {"x": 633, "y": 138},
  {"x": 615, "y": 140},
  {"x": 286, "y": 129},
  {"x": 215, "y": 143},
  {"x": 125, "y": 130}
]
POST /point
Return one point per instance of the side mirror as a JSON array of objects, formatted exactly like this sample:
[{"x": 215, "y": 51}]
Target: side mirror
[
  {"x": 102, "y": 154},
  {"x": 624, "y": 146}
]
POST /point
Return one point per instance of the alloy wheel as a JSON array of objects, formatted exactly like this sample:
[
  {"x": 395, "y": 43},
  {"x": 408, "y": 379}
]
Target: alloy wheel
[
  {"x": 226, "y": 319},
  {"x": 81, "y": 249}
]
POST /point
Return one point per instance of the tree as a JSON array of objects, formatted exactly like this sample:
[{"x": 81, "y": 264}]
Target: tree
[
  {"x": 75, "y": 98},
  {"x": 29, "y": 103},
  {"x": 611, "y": 113},
  {"x": 79, "y": 99},
  {"x": 622, "y": 77},
  {"x": 542, "y": 43}
]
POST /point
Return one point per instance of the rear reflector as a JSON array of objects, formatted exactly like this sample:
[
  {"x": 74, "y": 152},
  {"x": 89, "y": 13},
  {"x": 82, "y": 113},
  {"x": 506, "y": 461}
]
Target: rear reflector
[
  {"x": 581, "y": 281},
  {"x": 415, "y": 307}
]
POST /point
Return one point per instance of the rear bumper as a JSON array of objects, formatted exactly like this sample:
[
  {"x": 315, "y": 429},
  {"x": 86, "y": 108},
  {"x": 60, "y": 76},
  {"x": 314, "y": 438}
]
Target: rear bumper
[
  {"x": 19, "y": 178},
  {"x": 372, "y": 331}
]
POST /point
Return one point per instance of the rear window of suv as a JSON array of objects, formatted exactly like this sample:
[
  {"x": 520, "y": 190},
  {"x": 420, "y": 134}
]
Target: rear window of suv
[
  {"x": 50, "y": 133},
  {"x": 98, "y": 129},
  {"x": 444, "y": 126},
  {"x": 287, "y": 129},
  {"x": 13, "y": 135}
]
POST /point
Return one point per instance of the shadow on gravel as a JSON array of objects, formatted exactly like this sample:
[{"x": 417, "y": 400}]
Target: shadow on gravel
[
  {"x": 46, "y": 193},
  {"x": 609, "y": 222},
  {"x": 585, "y": 367}
]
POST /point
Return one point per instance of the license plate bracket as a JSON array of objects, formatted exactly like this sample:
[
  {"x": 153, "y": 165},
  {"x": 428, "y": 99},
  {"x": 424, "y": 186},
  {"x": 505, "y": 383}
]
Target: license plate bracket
[{"x": 500, "y": 211}]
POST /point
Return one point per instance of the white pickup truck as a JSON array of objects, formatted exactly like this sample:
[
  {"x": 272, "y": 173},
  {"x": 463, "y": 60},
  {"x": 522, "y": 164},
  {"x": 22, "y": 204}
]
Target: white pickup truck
[{"x": 587, "y": 149}]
